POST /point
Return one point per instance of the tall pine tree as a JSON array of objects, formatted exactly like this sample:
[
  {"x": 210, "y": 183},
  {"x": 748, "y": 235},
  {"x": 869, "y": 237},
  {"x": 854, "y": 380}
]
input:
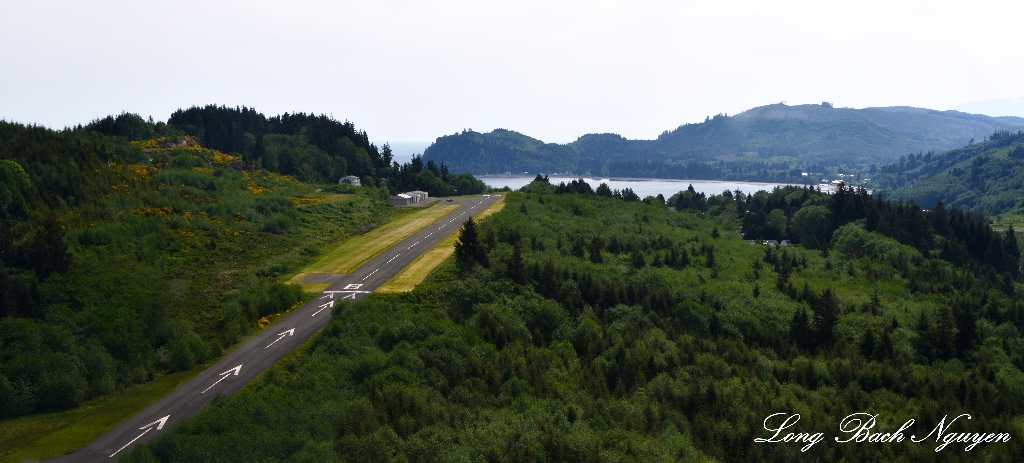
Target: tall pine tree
[{"x": 468, "y": 250}]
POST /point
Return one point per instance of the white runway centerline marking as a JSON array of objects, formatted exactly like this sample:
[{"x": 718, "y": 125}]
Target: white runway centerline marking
[
  {"x": 371, "y": 274},
  {"x": 393, "y": 258}
]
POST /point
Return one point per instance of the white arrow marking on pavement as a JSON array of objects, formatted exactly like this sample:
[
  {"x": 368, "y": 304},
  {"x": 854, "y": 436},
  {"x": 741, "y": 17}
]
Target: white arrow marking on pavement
[
  {"x": 350, "y": 296},
  {"x": 223, "y": 377},
  {"x": 149, "y": 427},
  {"x": 290, "y": 332},
  {"x": 330, "y": 295},
  {"x": 327, "y": 305}
]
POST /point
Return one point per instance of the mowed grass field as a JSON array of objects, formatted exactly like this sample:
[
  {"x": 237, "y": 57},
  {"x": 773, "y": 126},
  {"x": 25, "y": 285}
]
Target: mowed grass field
[
  {"x": 353, "y": 252},
  {"x": 420, "y": 269}
]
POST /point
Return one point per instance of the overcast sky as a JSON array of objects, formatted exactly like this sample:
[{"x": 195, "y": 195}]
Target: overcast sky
[{"x": 416, "y": 70}]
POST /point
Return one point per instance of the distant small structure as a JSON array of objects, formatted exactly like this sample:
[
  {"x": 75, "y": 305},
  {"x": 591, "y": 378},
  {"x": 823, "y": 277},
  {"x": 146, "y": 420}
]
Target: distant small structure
[
  {"x": 400, "y": 199},
  {"x": 771, "y": 243},
  {"x": 407, "y": 198},
  {"x": 418, "y": 195},
  {"x": 351, "y": 180},
  {"x": 785, "y": 243}
]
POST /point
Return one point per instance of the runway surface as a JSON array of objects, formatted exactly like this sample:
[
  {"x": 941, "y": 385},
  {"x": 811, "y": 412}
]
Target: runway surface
[{"x": 247, "y": 361}]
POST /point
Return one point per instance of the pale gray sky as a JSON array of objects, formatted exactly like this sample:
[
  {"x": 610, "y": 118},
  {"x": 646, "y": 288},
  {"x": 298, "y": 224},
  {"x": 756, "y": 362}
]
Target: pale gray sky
[{"x": 414, "y": 70}]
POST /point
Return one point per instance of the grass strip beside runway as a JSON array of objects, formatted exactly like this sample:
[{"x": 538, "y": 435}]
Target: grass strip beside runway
[
  {"x": 420, "y": 269},
  {"x": 40, "y": 436},
  {"x": 353, "y": 252}
]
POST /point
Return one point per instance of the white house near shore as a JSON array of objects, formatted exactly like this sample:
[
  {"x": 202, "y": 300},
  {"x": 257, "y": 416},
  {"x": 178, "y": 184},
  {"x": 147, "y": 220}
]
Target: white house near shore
[{"x": 350, "y": 179}]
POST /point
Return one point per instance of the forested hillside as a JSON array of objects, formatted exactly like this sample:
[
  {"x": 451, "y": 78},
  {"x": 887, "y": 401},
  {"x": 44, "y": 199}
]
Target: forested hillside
[
  {"x": 986, "y": 177},
  {"x": 585, "y": 324},
  {"x": 769, "y": 143},
  {"x": 311, "y": 148},
  {"x": 128, "y": 249}
]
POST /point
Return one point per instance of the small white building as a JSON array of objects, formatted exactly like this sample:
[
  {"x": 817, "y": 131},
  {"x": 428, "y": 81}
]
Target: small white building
[
  {"x": 400, "y": 199},
  {"x": 350, "y": 179},
  {"x": 418, "y": 196},
  {"x": 407, "y": 198}
]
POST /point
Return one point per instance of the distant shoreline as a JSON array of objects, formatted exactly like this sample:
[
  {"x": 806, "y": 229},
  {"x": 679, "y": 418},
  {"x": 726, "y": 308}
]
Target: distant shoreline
[{"x": 824, "y": 186}]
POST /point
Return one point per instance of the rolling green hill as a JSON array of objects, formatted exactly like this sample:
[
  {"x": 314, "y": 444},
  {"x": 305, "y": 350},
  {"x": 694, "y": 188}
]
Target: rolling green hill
[
  {"x": 129, "y": 249},
  {"x": 986, "y": 178},
  {"x": 757, "y": 144}
]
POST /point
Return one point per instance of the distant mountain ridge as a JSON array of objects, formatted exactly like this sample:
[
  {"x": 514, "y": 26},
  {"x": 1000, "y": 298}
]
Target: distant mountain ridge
[{"x": 816, "y": 137}]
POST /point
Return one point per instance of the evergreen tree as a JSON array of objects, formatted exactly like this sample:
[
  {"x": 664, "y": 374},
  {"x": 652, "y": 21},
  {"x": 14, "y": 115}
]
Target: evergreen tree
[
  {"x": 637, "y": 259},
  {"x": 826, "y": 316},
  {"x": 715, "y": 324},
  {"x": 468, "y": 250},
  {"x": 516, "y": 267},
  {"x": 595, "y": 250},
  {"x": 925, "y": 336},
  {"x": 945, "y": 335},
  {"x": 868, "y": 344},
  {"x": 800, "y": 330},
  {"x": 1012, "y": 249}
]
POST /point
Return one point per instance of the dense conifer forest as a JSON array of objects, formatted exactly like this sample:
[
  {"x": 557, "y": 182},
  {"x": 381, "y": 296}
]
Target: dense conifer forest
[
  {"x": 587, "y": 324},
  {"x": 131, "y": 249}
]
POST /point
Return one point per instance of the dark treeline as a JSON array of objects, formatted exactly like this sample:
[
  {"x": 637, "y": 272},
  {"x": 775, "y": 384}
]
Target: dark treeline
[
  {"x": 749, "y": 170},
  {"x": 811, "y": 217},
  {"x": 435, "y": 180}
]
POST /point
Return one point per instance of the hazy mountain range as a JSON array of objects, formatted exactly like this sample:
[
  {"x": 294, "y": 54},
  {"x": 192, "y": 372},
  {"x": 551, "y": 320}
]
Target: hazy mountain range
[{"x": 749, "y": 145}]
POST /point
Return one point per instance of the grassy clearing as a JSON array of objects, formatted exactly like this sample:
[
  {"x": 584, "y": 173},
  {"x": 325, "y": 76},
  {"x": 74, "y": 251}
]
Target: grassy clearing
[
  {"x": 421, "y": 268},
  {"x": 353, "y": 252},
  {"x": 41, "y": 436},
  {"x": 315, "y": 288}
]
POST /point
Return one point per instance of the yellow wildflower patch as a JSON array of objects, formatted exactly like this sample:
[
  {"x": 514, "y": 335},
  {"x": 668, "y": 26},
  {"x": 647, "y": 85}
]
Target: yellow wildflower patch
[
  {"x": 165, "y": 211},
  {"x": 256, "y": 189},
  {"x": 222, "y": 159},
  {"x": 304, "y": 200}
]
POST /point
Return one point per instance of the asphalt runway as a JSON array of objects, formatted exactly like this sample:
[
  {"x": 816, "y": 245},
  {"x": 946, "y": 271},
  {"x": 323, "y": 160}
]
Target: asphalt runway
[{"x": 247, "y": 361}]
